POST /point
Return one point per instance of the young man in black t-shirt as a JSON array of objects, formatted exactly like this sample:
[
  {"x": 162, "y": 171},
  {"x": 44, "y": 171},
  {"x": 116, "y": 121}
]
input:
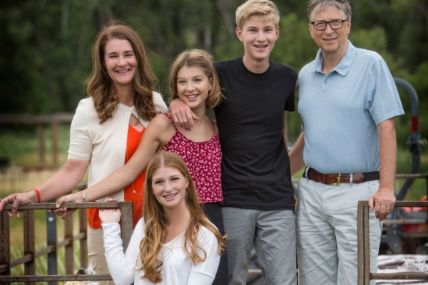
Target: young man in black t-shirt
[{"x": 258, "y": 194}]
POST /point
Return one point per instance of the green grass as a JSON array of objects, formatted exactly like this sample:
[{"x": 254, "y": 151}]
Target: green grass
[{"x": 21, "y": 146}]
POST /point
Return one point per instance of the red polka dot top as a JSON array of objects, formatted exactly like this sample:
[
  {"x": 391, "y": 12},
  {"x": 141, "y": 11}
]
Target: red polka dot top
[{"x": 203, "y": 159}]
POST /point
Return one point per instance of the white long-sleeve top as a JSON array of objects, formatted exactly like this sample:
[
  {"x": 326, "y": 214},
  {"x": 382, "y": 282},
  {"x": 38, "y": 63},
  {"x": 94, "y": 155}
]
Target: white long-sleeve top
[{"x": 177, "y": 267}]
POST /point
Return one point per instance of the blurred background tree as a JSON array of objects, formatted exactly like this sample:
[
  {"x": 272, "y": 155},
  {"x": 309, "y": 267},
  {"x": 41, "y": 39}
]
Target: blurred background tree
[{"x": 45, "y": 45}]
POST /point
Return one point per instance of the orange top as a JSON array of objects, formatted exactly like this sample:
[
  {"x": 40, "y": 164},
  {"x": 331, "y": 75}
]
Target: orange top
[{"x": 134, "y": 191}]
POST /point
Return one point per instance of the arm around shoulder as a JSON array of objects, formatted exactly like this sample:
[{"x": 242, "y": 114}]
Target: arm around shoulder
[
  {"x": 159, "y": 103},
  {"x": 182, "y": 114}
]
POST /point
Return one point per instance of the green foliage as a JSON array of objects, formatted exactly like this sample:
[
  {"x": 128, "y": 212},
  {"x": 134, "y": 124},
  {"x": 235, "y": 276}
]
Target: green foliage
[
  {"x": 21, "y": 145},
  {"x": 420, "y": 82},
  {"x": 46, "y": 51},
  {"x": 294, "y": 46}
]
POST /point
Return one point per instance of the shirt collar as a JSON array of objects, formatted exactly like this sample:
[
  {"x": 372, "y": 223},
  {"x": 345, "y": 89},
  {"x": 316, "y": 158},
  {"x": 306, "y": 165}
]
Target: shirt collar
[{"x": 343, "y": 67}]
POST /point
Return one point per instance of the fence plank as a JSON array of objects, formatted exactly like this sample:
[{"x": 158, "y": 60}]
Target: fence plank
[
  {"x": 29, "y": 119},
  {"x": 366, "y": 230},
  {"x": 364, "y": 274},
  {"x": 55, "y": 148},
  {"x": 29, "y": 243},
  {"x": 51, "y": 233},
  {"x": 68, "y": 251},
  {"x": 401, "y": 275},
  {"x": 360, "y": 245},
  {"x": 4, "y": 244},
  {"x": 42, "y": 146},
  {"x": 83, "y": 244},
  {"x": 41, "y": 121},
  {"x": 54, "y": 278},
  {"x": 53, "y": 245}
]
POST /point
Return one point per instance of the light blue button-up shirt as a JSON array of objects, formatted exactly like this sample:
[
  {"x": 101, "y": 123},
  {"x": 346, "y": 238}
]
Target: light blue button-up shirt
[{"x": 341, "y": 111}]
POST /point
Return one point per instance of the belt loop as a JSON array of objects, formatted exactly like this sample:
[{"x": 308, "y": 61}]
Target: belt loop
[{"x": 351, "y": 178}]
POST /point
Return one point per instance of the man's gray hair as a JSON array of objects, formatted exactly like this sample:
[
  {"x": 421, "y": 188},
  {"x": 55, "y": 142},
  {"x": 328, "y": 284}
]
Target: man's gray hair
[{"x": 342, "y": 5}]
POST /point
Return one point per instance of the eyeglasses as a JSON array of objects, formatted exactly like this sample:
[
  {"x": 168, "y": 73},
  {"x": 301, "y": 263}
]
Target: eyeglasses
[{"x": 335, "y": 24}]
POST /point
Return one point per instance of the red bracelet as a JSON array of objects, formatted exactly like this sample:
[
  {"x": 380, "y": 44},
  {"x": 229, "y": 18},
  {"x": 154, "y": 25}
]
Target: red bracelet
[{"x": 37, "y": 191}]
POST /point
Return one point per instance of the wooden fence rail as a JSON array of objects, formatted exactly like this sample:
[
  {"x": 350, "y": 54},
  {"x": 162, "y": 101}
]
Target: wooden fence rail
[
  {"x": 363, "y": 241},
  {"x": 51, "y": 249},
  {"x": 41, "y": 121}
]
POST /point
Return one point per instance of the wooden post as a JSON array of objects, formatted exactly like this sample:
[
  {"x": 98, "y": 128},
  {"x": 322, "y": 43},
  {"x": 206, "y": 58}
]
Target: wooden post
[
  {"x": 55, "y": 148},
  {"x": 4, "y": 244},
  {"x": 29, "y": 243},
  {"x": 366, "y": 224},
  {"x": 363, "y": 243},
  {"x": 68, "y": 249},
  {"x": 360, "y": 245},
  {"x": 83, "y": 242},
  {"x": 51, "y": 243},
  {"x": 42, "y": 145}
]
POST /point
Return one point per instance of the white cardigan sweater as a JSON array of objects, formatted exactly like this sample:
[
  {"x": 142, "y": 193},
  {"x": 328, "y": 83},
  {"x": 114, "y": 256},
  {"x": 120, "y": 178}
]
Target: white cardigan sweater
[{"x": 103, "y": 144}]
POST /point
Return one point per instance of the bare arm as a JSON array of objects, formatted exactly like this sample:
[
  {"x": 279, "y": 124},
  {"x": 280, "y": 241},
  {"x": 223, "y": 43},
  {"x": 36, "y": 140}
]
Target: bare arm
[
  {"x": 296, "y": 155},
  {"x": 285, "y": 130},
  {"x": 383, "y": 200},
  {"x": 154, "y": 135},
  {"x": 182, "y": 114},
  {"x": 62, "y": 182}
]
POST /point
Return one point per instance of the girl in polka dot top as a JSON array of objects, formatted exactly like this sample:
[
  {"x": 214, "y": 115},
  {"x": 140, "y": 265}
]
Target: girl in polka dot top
[{"x": 192, "y": 79}]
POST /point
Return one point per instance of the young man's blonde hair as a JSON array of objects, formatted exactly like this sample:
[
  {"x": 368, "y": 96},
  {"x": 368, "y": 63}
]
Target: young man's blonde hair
[{"x": 263, "y": 8}]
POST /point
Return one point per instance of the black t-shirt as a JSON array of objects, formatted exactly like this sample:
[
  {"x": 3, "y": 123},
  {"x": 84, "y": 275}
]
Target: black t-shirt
[{"x": 255, "y": 166}]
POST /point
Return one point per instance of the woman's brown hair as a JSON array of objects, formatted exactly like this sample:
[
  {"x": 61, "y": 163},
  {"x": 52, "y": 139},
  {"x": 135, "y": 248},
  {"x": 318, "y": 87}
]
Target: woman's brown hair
[{"x": 100, "y": 86}]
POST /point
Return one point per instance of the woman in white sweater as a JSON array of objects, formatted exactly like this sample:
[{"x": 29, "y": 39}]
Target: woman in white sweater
[
  {"x": 106, "y": 128},
  {"x": 175, "y": 243}
]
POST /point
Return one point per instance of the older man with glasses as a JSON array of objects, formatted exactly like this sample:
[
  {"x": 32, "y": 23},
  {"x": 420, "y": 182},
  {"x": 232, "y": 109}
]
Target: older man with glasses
[{"x": 347, "y": 102}]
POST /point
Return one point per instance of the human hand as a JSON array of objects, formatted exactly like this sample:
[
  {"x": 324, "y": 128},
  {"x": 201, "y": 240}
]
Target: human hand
[
  {"x": 17, "y": 199},
  {"x": 182, "y": 114},
  {"x": 109, "y": 216},
  {"x": 70, "y": 198},
  {"x": 382, "y": 202}
]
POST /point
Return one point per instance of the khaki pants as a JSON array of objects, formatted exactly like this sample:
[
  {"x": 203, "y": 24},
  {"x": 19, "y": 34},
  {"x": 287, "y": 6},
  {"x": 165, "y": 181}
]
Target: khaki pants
[{"x": 327, "y": 231}]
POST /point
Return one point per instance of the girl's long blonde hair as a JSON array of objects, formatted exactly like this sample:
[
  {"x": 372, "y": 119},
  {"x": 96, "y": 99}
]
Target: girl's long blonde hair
[
  {"x": 155, "y": 220},
  {"x": 100, "y": 86}
]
